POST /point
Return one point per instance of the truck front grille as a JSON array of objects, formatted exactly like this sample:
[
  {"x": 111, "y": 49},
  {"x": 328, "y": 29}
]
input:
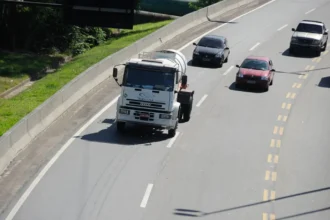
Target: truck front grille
[{"x": 145, "y": 104}]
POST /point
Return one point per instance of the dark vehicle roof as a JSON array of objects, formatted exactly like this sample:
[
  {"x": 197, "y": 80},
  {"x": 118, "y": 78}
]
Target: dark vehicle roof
[
  {"x": 263, "y": 58},
  {"x": 211, "y": 36}
]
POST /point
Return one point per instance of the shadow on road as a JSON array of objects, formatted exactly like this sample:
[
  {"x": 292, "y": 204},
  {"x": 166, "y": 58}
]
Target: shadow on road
[
  {"x": 203, "y": 65},
  {"x": 251, "y": 89},
  {"x": 300, "y": 72},
  {"x": 196, "y": 213},
  {"x": 302, "y": 54},
  {"x": 134, "y": 135},
  {"x": 325, "y": 82}
]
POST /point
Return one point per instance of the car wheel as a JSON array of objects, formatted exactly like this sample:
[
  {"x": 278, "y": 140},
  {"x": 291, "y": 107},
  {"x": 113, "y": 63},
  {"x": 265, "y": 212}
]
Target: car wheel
[
  {"x": 318, "y": 53},
  {"x": 221, "y": 62},
  {"x": 226, "y": 60},
  {"x": 325, "y": 46},
  {"x": 291, "y": 51},
  {"x": 238, "y": 86},
  {"x": 266, "y": 88},
  {"x": 271, "y": 82}
]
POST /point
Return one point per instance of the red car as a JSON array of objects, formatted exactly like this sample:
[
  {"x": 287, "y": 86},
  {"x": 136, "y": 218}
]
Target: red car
[{"x": 255, "y": 70}]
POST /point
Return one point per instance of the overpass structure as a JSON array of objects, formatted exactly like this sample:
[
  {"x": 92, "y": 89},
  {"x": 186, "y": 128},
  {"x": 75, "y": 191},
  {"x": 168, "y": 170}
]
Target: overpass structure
[{"x": 243, "y": 155}]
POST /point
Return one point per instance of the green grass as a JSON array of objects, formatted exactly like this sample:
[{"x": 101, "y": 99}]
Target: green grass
[
  {"x": 15, "y": 68},
  {"x": 14, "y": 109}
]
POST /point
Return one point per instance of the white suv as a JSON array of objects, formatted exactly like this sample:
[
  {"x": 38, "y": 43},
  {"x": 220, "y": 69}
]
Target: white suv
[{"x": 309, "y": 34}]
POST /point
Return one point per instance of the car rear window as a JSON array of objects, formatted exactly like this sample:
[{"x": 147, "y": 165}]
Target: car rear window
[
  {"x": 310, "y": 28},
  {"x": 255, "y": 64}
]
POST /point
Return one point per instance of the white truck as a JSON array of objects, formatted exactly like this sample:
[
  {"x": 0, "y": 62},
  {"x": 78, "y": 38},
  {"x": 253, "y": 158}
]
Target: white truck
[{"x": 154, "y": 91}]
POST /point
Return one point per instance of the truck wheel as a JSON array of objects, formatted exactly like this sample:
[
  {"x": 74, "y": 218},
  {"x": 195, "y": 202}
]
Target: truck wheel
[
  {"x": 186, "y": 112},
  {"x": 172, "y": 132},
  {"x": 120, "y": 126}
]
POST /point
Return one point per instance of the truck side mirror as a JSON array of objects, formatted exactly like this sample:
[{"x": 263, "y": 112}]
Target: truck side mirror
[
  {"x": 237, "y": 65},
  {"x": 184, "y": 80},
  {"x": 293, "y": 29},
  {"x": 194, "y": 44},
  {"x": 115, "y": 73}
]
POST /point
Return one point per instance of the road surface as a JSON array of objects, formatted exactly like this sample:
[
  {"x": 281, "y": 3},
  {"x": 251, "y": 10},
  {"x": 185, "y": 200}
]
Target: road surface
[{"x": 243, "y": 155}]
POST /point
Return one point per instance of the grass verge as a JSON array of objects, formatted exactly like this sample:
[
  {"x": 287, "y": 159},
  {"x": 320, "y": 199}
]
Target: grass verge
[
  {"x": 15, "y": 68},
  {"x": 14, "y": 109}
]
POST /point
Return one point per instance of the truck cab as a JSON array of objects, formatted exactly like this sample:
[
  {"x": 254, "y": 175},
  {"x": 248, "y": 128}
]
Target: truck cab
[{"x": 150, "y": 87}]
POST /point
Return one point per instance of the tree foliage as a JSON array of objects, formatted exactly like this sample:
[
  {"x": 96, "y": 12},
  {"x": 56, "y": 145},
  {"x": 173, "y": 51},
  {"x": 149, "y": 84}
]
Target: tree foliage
[
  {"x": 202, "y": 3},
  {"x": 42, "y": 30}
]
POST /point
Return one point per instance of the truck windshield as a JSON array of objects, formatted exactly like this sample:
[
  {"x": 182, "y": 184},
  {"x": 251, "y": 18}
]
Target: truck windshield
[{"x": 149, "y": 79}]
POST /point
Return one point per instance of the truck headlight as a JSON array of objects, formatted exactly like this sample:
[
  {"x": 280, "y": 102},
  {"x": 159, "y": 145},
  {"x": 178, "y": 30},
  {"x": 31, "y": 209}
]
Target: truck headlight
[
  {"x": 316, "y": 42},
  {"x": 124, "y": 111},
  {"x": 240, "y": 75},
  {"x": 218, "y": 55},
  {"x": 264, "y": 78},
  {"x": 165, "y": 116},
  {"x": 196, "y": 52}
]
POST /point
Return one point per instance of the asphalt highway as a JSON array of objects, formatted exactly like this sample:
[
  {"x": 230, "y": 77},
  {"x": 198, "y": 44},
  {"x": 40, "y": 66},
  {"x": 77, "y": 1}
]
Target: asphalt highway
[{"x": 245, "y": 154}]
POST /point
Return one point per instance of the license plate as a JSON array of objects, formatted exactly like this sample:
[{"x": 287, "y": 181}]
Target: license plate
[
  {"x": 251, "y": 82},
  {"x": 144, "y": 115}
]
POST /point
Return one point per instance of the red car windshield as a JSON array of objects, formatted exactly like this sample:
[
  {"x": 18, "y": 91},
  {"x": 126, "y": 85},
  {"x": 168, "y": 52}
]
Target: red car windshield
[{"x": 255, "y": 64}]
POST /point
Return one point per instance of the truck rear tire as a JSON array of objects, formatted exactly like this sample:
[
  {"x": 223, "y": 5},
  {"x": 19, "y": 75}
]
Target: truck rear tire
[
  {"x": 120, "y": 126},
  {"x": 186, "y": 111}
]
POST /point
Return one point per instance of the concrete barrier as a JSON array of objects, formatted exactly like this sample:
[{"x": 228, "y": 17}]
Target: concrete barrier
[{"x": 20, "y": 135}]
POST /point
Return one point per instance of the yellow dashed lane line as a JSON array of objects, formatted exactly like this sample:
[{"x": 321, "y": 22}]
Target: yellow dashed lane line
[
  {"x": 272, "y": 158},
  {"x": 276, "y": 143},
  {"x": 296, "y": 85},
  {"x": 282, "y": 118},
  {"x": 266, "y": 216},
  {"x": 269, "y": 195},
  {"x": 286, "y": 106},
  {"x": 270, "y": 175}
]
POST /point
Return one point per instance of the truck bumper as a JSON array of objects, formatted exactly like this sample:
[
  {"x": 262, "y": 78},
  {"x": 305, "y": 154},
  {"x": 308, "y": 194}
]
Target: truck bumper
[{"x": 148, "y": 118}]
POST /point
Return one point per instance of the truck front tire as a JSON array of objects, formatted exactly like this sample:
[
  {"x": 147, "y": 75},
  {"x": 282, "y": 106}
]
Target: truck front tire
[{"x": 172, "y": 132}]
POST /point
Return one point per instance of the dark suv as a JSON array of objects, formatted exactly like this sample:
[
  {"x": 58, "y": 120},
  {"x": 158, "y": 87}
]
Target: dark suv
[{"x": 311, "y": 35}]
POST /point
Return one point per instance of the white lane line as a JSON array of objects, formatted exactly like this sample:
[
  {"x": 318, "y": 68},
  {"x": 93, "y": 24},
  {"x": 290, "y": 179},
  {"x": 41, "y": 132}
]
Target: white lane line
[
  {"x": 146, "y": 196},
  {"x": 20, "y": 202},
  {"x": 206, "y": 33},
  {"x": 228, "y": 70},
  {"x": 310, "y": 11},
  {"x": 281, "y": 28},
  {"x": 255, "y": 46},
  {"x": 53, "y": 160},
  {"x": 201, "y": 101},
  {"x": 170, "y": 144}
]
